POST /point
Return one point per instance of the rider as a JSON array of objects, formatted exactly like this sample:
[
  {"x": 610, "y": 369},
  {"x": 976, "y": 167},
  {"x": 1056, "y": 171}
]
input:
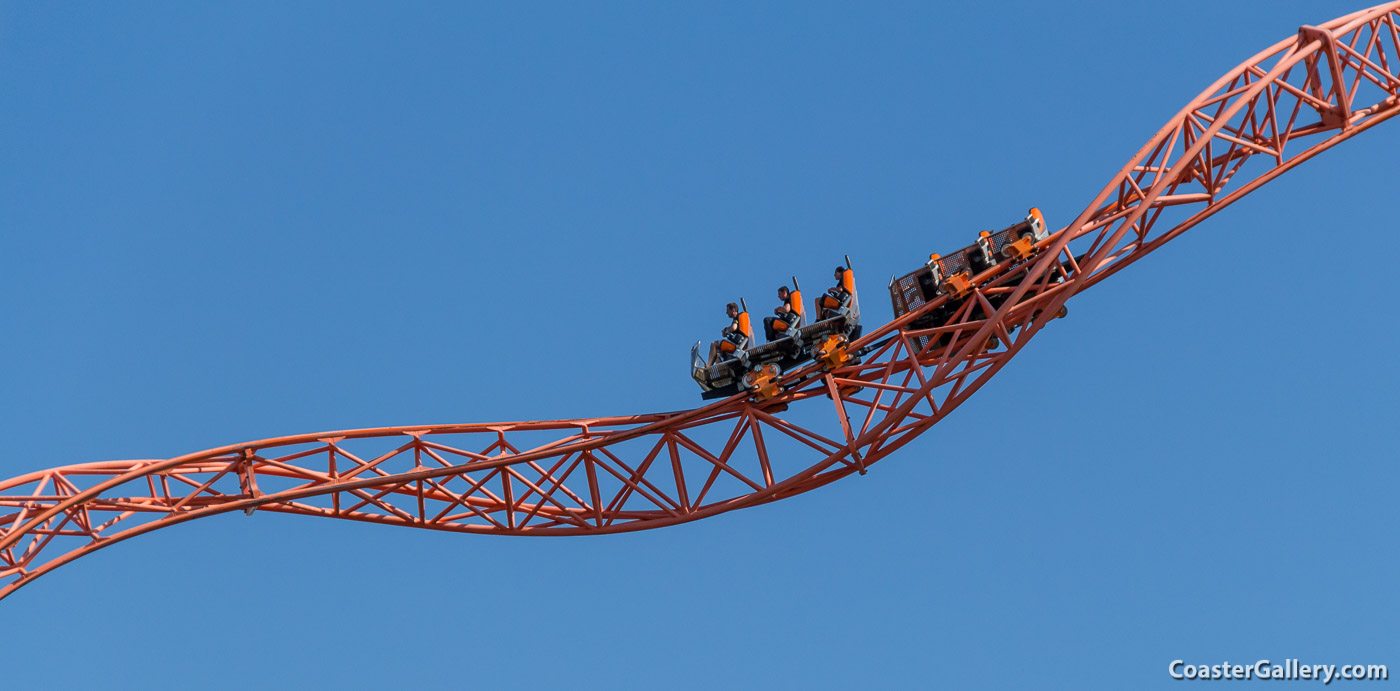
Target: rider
[
  {"x": 836, "y": 297},
  {"x": 732, "y": 338},
  {"x": 786, "y": 317}
]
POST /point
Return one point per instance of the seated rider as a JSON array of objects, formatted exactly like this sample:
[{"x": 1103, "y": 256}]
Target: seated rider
[
  {"x": 733, "y": 337},
  {"x": 786, "y": 317},
  {"x": 836, "y": 297}
]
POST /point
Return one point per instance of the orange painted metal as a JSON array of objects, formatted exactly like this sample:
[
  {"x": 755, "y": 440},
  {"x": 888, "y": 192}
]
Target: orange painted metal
[
  {"x": 612, "y": 474},
  {"x": 958, "y": 285}
]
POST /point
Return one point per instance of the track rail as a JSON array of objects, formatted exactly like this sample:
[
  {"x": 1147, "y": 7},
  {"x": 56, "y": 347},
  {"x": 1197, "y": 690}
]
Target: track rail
[{"x": 605, "y": 475}]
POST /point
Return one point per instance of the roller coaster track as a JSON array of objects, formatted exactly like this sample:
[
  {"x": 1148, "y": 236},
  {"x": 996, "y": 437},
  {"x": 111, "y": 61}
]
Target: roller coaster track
[{"x": 612, "y": 474}]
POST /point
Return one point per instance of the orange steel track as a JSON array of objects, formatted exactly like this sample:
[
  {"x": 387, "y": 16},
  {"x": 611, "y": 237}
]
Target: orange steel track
[{"x": 613, "y": 474}]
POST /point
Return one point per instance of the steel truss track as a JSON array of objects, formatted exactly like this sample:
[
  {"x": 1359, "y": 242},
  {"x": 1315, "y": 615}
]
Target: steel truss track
[{"x": 605, "y": 475}]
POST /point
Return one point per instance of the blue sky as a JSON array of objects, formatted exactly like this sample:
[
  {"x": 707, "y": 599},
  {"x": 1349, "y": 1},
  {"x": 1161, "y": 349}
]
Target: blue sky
[{"x": 225, "y": 223}]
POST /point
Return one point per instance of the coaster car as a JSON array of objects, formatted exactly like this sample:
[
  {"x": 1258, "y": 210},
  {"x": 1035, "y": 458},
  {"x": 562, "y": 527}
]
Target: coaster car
[
  {"x": 956, "y": 275},
  {"x": 758, "y": 368}
]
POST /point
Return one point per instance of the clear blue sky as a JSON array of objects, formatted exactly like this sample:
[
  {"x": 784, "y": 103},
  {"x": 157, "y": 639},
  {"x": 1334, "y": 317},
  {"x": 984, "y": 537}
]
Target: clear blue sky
[{"x": 227, "y": 223}]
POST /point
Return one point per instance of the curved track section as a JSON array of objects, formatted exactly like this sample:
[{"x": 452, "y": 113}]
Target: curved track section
[{"x": 604, "y": 475}]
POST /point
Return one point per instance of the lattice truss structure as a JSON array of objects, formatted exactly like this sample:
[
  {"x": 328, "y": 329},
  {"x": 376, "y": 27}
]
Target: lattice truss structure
[{"x": 587, "y": 476}]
